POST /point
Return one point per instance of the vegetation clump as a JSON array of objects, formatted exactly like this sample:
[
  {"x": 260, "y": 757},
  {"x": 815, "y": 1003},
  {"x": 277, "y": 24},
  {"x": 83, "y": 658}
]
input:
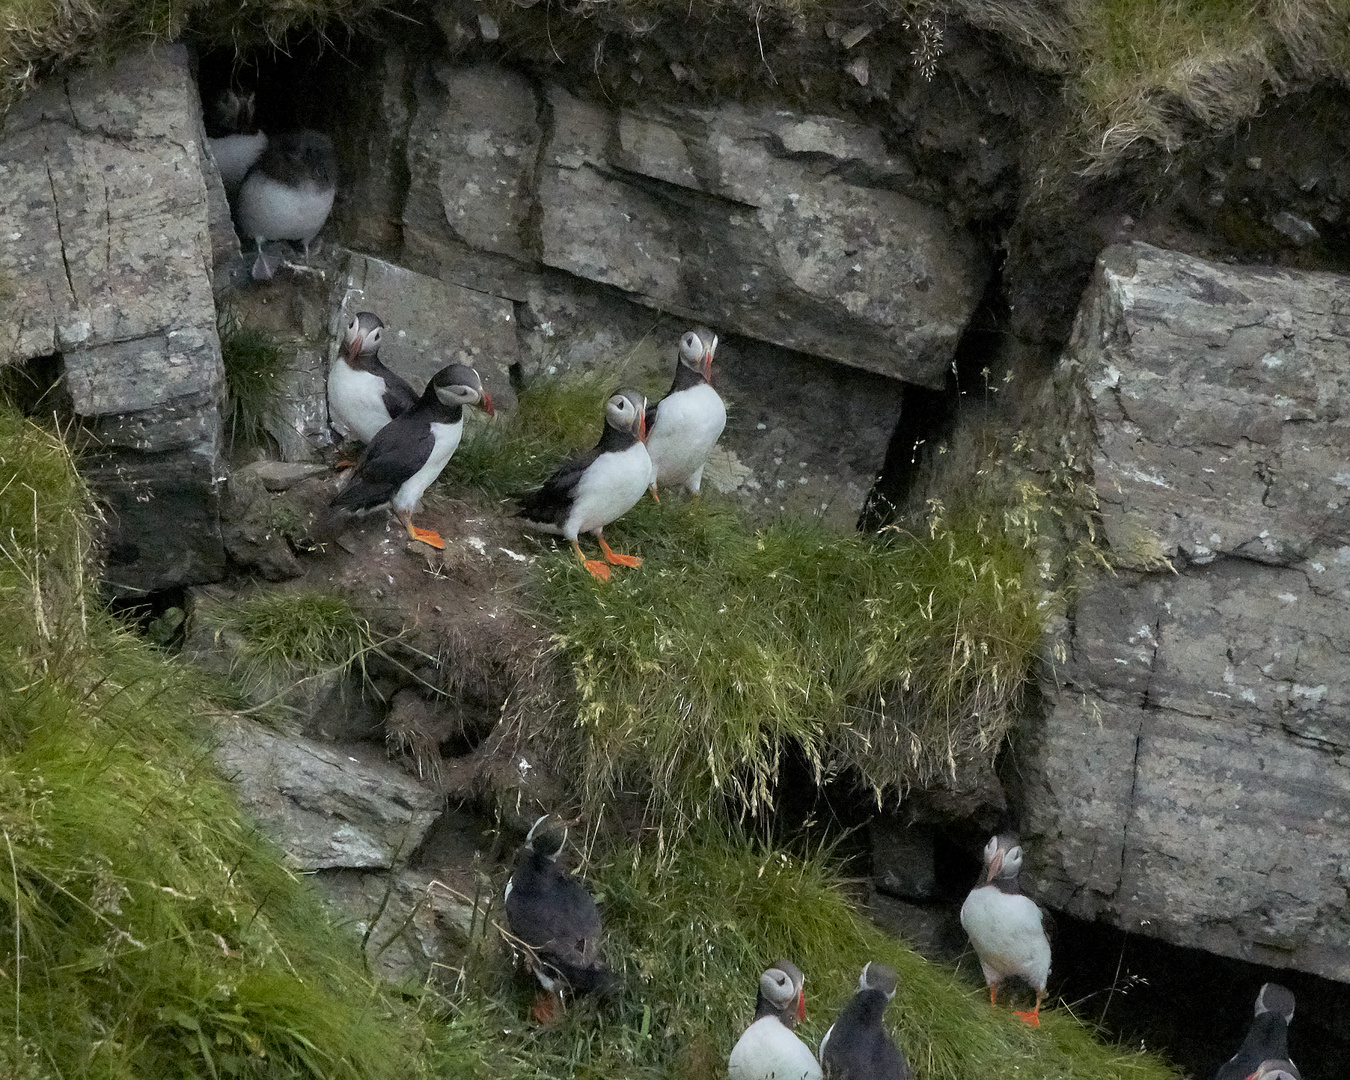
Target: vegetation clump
[
  {"x": 147, "y": 929},
  {"x": 255, "y": 370}
]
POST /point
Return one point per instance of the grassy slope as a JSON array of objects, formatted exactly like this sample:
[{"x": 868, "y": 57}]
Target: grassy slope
[{"x": 148, "y": 931}]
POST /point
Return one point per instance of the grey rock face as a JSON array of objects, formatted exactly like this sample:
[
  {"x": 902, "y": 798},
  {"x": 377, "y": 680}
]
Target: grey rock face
[
  {"x": 1189, "y": 781},
  {"x": 770, "y": 224},
  {"x": 327, "y": 806},
  {"x": 107, "y": 261}
]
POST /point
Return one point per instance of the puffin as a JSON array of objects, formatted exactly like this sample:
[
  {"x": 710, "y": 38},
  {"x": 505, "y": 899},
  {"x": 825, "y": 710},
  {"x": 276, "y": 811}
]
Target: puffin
[
  {"x": 768, "y": 1049},
  {"x": 685, "y": 424},
  {"x": 363, "y": 394},
  {"x": 1007, "y": 928},
  {"x": 857, "y": 1047},
  {"x": 407, "y": 454},
  {"x": 234, "y": 138},
  {"x": 288, "y": 193},
  {"x": 1266, "y": 1046},
  {"x": 592, "y": 490},
  {"x": 555, "y": 918}
]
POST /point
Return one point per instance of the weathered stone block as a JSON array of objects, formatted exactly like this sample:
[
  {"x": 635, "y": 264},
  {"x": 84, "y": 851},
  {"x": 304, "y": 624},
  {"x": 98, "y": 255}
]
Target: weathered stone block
[
  {"x": 1189, "y": 780},
  {"x": 107, "y": 261}
]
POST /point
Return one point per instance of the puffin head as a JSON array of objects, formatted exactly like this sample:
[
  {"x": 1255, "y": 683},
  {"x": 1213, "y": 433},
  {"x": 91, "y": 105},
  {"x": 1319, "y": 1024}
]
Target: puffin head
[
  {"x": 626, "y": 410},
  {"x": 545, "y": 841},
  {"x": 783, "y": 986},
  {"x": 1002, "y": 858},
  {"x": 1275, "y": 999},
  {"x": 459, "y": 384},
  {"x": 362, "y": 336},
  {"x": 696, "y": 351},
  {"x": 877, "y": 976}
]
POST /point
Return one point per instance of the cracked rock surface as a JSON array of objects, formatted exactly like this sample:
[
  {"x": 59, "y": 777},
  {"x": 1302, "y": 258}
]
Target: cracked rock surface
[
  {"x": 106, "y": 261},
  {"x": 1190, "y": 780}
]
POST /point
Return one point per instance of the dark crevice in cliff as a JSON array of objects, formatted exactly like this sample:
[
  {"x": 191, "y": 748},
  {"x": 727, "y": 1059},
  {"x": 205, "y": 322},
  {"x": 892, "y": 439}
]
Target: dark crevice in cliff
[{"x": 928, "y": 417}]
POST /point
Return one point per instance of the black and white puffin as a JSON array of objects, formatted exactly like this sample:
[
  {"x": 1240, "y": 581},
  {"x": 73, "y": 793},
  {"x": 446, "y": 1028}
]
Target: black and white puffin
[
  {"x": 592, "y": 490},
  {"x": 1007, "y": 928},
  {"x": 363, "y": 394},
  {"x": 857, "y": 1047},
  {"x": 684, "y": 425},
  {"x": 288, "y": 193},
  {"x": 1267, "y": 1043},
  {"x": 556, "y": 919},
  {"x": 407, "y": 454},
  {"x": 769, "y": 1049},
  {"x": 234, "y": 138}
]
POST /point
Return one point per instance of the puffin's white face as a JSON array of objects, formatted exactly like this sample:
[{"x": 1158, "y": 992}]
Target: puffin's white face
[
  {"x": 696, "y": 351},
  {"x": 627, "y": 411},
  {"x": 362, "y": 336},
  {"x": 461, "y": 385},
  {"x": 1001, "y": 862},
  {"x": 777, "y": 987}
]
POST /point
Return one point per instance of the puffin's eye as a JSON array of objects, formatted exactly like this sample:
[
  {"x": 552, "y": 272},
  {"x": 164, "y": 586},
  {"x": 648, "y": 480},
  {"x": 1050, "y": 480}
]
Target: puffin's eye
[
  {"x": 374, "y": 336},
  {"x": 354, "y": 327}
]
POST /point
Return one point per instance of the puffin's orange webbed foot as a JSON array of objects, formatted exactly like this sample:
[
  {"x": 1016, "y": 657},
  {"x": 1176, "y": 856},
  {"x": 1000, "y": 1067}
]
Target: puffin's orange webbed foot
[
  {"x": 614, "y": 557},
  {"x": 427, "y": 536},
  {"x": 1031, "y": 1017},
  {"x": 547, "y": 1008},
  {"x": 595, "y": 566}
]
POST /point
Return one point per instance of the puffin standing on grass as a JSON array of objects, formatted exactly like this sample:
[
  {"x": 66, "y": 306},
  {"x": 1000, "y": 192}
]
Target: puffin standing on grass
[
  {"x": 1007, "y": 928},
  {"x": 363, "y": 394},
  {"x": 288, "y": 193},
  {"x": 1264, "y": 1053},
  {"x": 556, "y": 919},
  {"x": 857, "y": 1047},
  {"x": 684, "y": 425},
  {"x": 234, "y": 138},
  {"x": 594, "y": 489},
  {"x": 769, "y": 1050},
  {"x": 407, "y": 454}
]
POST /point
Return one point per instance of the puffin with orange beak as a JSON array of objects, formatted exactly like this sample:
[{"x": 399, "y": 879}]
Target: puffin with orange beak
[
  {"x": 769, "y": 1049},
  {"x": 1007, "y": 928},
  {"x": 407, "y": 455},
  {"x": 604, "y": 483},
  {"x": 685, "y": 425},
  {"x": 363, "y": 394}
]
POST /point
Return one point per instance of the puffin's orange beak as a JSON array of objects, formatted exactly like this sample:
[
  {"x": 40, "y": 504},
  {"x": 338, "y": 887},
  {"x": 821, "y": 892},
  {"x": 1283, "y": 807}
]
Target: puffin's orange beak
[
  {"x": 994, "y": 864},
  {"x": 353, "y": 349},
  {"x": 642, "y": 426},
  {"x": 707, "y": 363},
  {"x": 486, "y": 404},
  {"x": 801, "y": 1004}
]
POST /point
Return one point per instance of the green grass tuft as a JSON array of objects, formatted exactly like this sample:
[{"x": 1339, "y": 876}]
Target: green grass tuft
[
  {"x": 255, "y": 372},
  {"x": 145, "y": 928},
  {"x": 901, "y": 658},
  {"x": 287, "y": 634}
]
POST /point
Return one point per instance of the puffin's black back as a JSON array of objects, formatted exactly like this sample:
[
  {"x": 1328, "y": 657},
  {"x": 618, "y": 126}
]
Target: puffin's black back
[
  {"x": 554, "y": 915},
  {"x": 551, "y": 504},
  {"x": 859, "y": 1048},
  {"x": 1267, "y": 1040},
  {"x": 300, "y": 157},
  {"x": 398, "y": 450}
]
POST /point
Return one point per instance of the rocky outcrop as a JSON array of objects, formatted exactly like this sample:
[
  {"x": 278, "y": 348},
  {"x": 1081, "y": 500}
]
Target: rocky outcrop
[
  {"x": 106, "y": 262},
  {"x": 1190, "y": 780},
  {"x": 767, "y": 223}
]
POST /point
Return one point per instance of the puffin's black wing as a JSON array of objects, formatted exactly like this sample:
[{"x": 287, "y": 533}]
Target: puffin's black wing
[
  {"x": 398, "y": 450},
  {"x": 557, "y": 917},
  {"x": 1267, "y": 1040},
  {"x": 551, "y": 504},
  {"x": 399, "y": 397}
]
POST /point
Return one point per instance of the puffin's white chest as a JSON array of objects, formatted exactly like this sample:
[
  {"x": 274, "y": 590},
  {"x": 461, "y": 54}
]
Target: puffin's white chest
[
  {"x": 611, "y": 486},
  {"x": 447, "y": 442},
  {"x": 1007, "y": 934},
  {"x": 235, "y": 155},
  {"x": 769, "y": 1051},
  {"x": 277, "y": 211},
  {"x": 688, "y": 424},
  {"x": 355, "y": 401}
]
